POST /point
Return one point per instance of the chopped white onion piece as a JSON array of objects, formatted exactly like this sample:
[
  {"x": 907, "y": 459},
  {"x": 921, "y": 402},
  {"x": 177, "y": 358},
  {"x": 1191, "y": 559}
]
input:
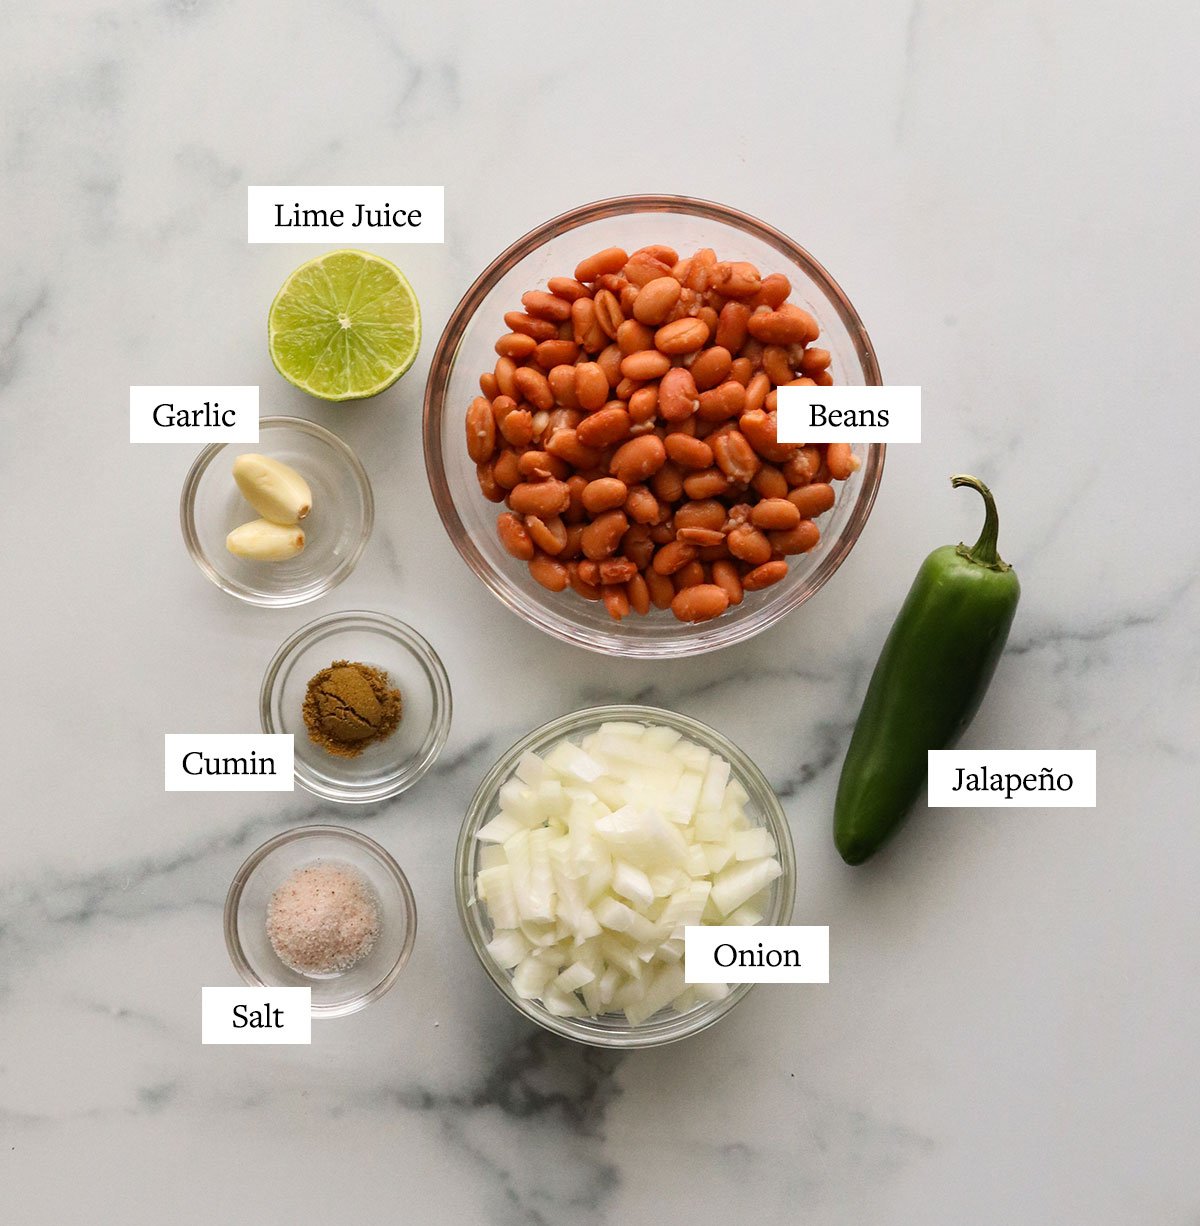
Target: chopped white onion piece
[{"x": 602, "y": 854}]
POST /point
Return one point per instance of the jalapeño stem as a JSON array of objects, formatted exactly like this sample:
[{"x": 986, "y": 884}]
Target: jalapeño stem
[{"x": 984, "y": 550}]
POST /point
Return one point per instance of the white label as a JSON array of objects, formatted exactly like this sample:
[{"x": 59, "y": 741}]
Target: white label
[
  {"x": 335, "y": 214},
  {"x": 849, "y": 415},
  {"x": 256, "y": 1015},
  {"x": 756, "y": 953},
  {"x": 230, "y": 762},
  {"x": 1012, "y": 778},
  {"x": 193, "y": 414}
]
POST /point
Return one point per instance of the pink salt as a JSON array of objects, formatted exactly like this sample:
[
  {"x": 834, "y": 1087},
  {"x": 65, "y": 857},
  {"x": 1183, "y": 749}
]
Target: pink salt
[{"x": 323, "y": 919}]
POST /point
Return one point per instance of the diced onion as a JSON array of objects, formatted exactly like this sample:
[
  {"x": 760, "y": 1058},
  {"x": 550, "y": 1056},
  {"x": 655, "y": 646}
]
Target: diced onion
[{"x": 599, "y": 857}]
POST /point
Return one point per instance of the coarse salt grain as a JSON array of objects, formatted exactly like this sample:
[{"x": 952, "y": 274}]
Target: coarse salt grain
[{"x": 323, "y": 919}]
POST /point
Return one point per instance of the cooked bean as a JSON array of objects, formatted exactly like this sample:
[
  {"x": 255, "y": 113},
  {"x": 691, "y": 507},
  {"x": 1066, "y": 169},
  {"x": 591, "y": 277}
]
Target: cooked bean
[
  {"x": 690, "y": 575},
  {"x": 785, "y": 326},
  {"x": 687, "y": 451},
  {"x": 541, "y": 498},
  {"x": 769, "y": 482},
  {"x": 638, "y": 459},
  {"x": 616, "y": 601},
  {"x": 775, "y": 514},
  {"x": 602, "y": 536},
  {"x": 567, "y": 287},
  {"x": 488, "y": 385},
  {"x": 637, "y": 546},
  {"x": 700, "y": 537},
  {"x": 639, "y": 594},
  {"x": 708, "y": 513},
  {"x": 609, "y": 314},
  {"x": 773, "y": 292},
  {"x": 655, "y": 299},
  {"x": 735, "y": 457},
  {"x": 633, "y": 337},
  {"x": 506, "y": 470},
  {"x": 700, "y": 603},
  {"x": 643, "y": 268},
  {"x": 645, "y": 364},
  {"x": 677, "y": 395},
  {"x": 541, "y": 465},
  {"x": 660, "y": 587},
  {"x": 591, "y": 386},
  {"x": 611, "y": 259},
  {"x": 741, "y": 371},
  {"x": 763, "y": 576},
  {"x": 708, "y": 483},
  {"x": 641, "y": 505},
  {"x": 550, "y": 354},
  {"x": 517, "y": 427},
  {"x": 604, "y": 494},
  {"x": 536, "y": 329},
  {"x": 491, "y": 489},
  {"x": 513, "y": 536},
  {"x": 549, "y": 572},
  {"x": 759, "y": 429},
  {"x": 534, "y": 387},
  {"x": 481, "y": 431},
  {"x": 589, "y": 591},
  {"x": 567, "y": 445},
  {"x": 711, "y": 367},
  {"x": 586, "y": 331},
  {"x": 562, "y": 384},
  {"x": 609, "y": 361},
  {"x": 812, "y": 500},
  {"x": 681, "y": 336},
  {"x": 750, "y": 545},
  {"x": 722, "y": 403},
  {"x": 725, "y": 575},
  {"x": 549, "y": 535},
  {"x": 737, "y": 279},
  {"x": 546, "y": 306},
  {"x": 800, "y": 539},
  {"x": 516, "y": 345},
  {"x": 604, "y": 427},
  {"x": 776, "y": 366},
  {"x": 814, "y": 361},
  {"x": 643, "y": 404},
  {"x": 672, "y": 556},
  {"x": 840, "y": 460}
]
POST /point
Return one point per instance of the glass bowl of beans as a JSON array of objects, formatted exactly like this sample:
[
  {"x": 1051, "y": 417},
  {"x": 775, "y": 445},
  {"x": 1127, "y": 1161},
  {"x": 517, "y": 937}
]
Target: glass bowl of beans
[
  {"x": 321, "y": 907},
  {"x": 599, "y": 427},
  {"x": 649, "y": 739}
]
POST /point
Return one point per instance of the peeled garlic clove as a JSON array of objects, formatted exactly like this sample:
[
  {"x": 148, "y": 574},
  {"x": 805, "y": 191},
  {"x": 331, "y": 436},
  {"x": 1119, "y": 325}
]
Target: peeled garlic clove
[
  {"x": 263, "y": 541},
  {"x": 274, "y": 490}
]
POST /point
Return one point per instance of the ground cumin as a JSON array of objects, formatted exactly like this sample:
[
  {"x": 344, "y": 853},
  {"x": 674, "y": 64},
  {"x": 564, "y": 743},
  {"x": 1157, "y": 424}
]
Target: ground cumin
[{"x": 349, "y": 706}]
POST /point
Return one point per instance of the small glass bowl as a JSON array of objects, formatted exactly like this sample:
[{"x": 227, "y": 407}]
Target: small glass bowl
[
  {"x": 466, "y": 350},
  {"x": 611, "y": 1029},
  {"x": 270, "y": 866},
  {"x": 386, "y": 767},
  {"x": 336, "y": 530}
]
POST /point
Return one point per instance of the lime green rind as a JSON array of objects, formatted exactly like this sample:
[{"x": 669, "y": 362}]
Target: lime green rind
[{"x": 310, "y": 348}]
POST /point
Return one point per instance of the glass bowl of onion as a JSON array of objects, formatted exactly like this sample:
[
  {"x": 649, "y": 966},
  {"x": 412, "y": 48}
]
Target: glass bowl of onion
[{"x": 592, "y": 844}]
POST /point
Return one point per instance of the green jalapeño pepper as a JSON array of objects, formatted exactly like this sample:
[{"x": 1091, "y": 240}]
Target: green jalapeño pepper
[{"x": 930, "y": 679}]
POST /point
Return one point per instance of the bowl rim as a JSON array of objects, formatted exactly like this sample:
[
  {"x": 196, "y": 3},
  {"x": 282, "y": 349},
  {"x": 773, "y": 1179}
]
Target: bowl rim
[
  {"x": 346, "y": 564},
  {"x": 418, "y": 647},
  {"x": 445, "y": 354},
  {"x": 582, "y": 1030},
  {"x": 365, "y": 843}
]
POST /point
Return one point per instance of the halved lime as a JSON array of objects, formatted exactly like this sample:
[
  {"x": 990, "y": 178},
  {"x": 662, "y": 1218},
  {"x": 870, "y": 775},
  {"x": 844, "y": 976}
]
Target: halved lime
[{"x": 344, "y": 326}]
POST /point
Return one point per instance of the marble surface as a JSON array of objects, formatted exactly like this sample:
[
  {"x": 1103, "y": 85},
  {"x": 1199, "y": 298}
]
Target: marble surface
[{"x": 1008, "y": 193}]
